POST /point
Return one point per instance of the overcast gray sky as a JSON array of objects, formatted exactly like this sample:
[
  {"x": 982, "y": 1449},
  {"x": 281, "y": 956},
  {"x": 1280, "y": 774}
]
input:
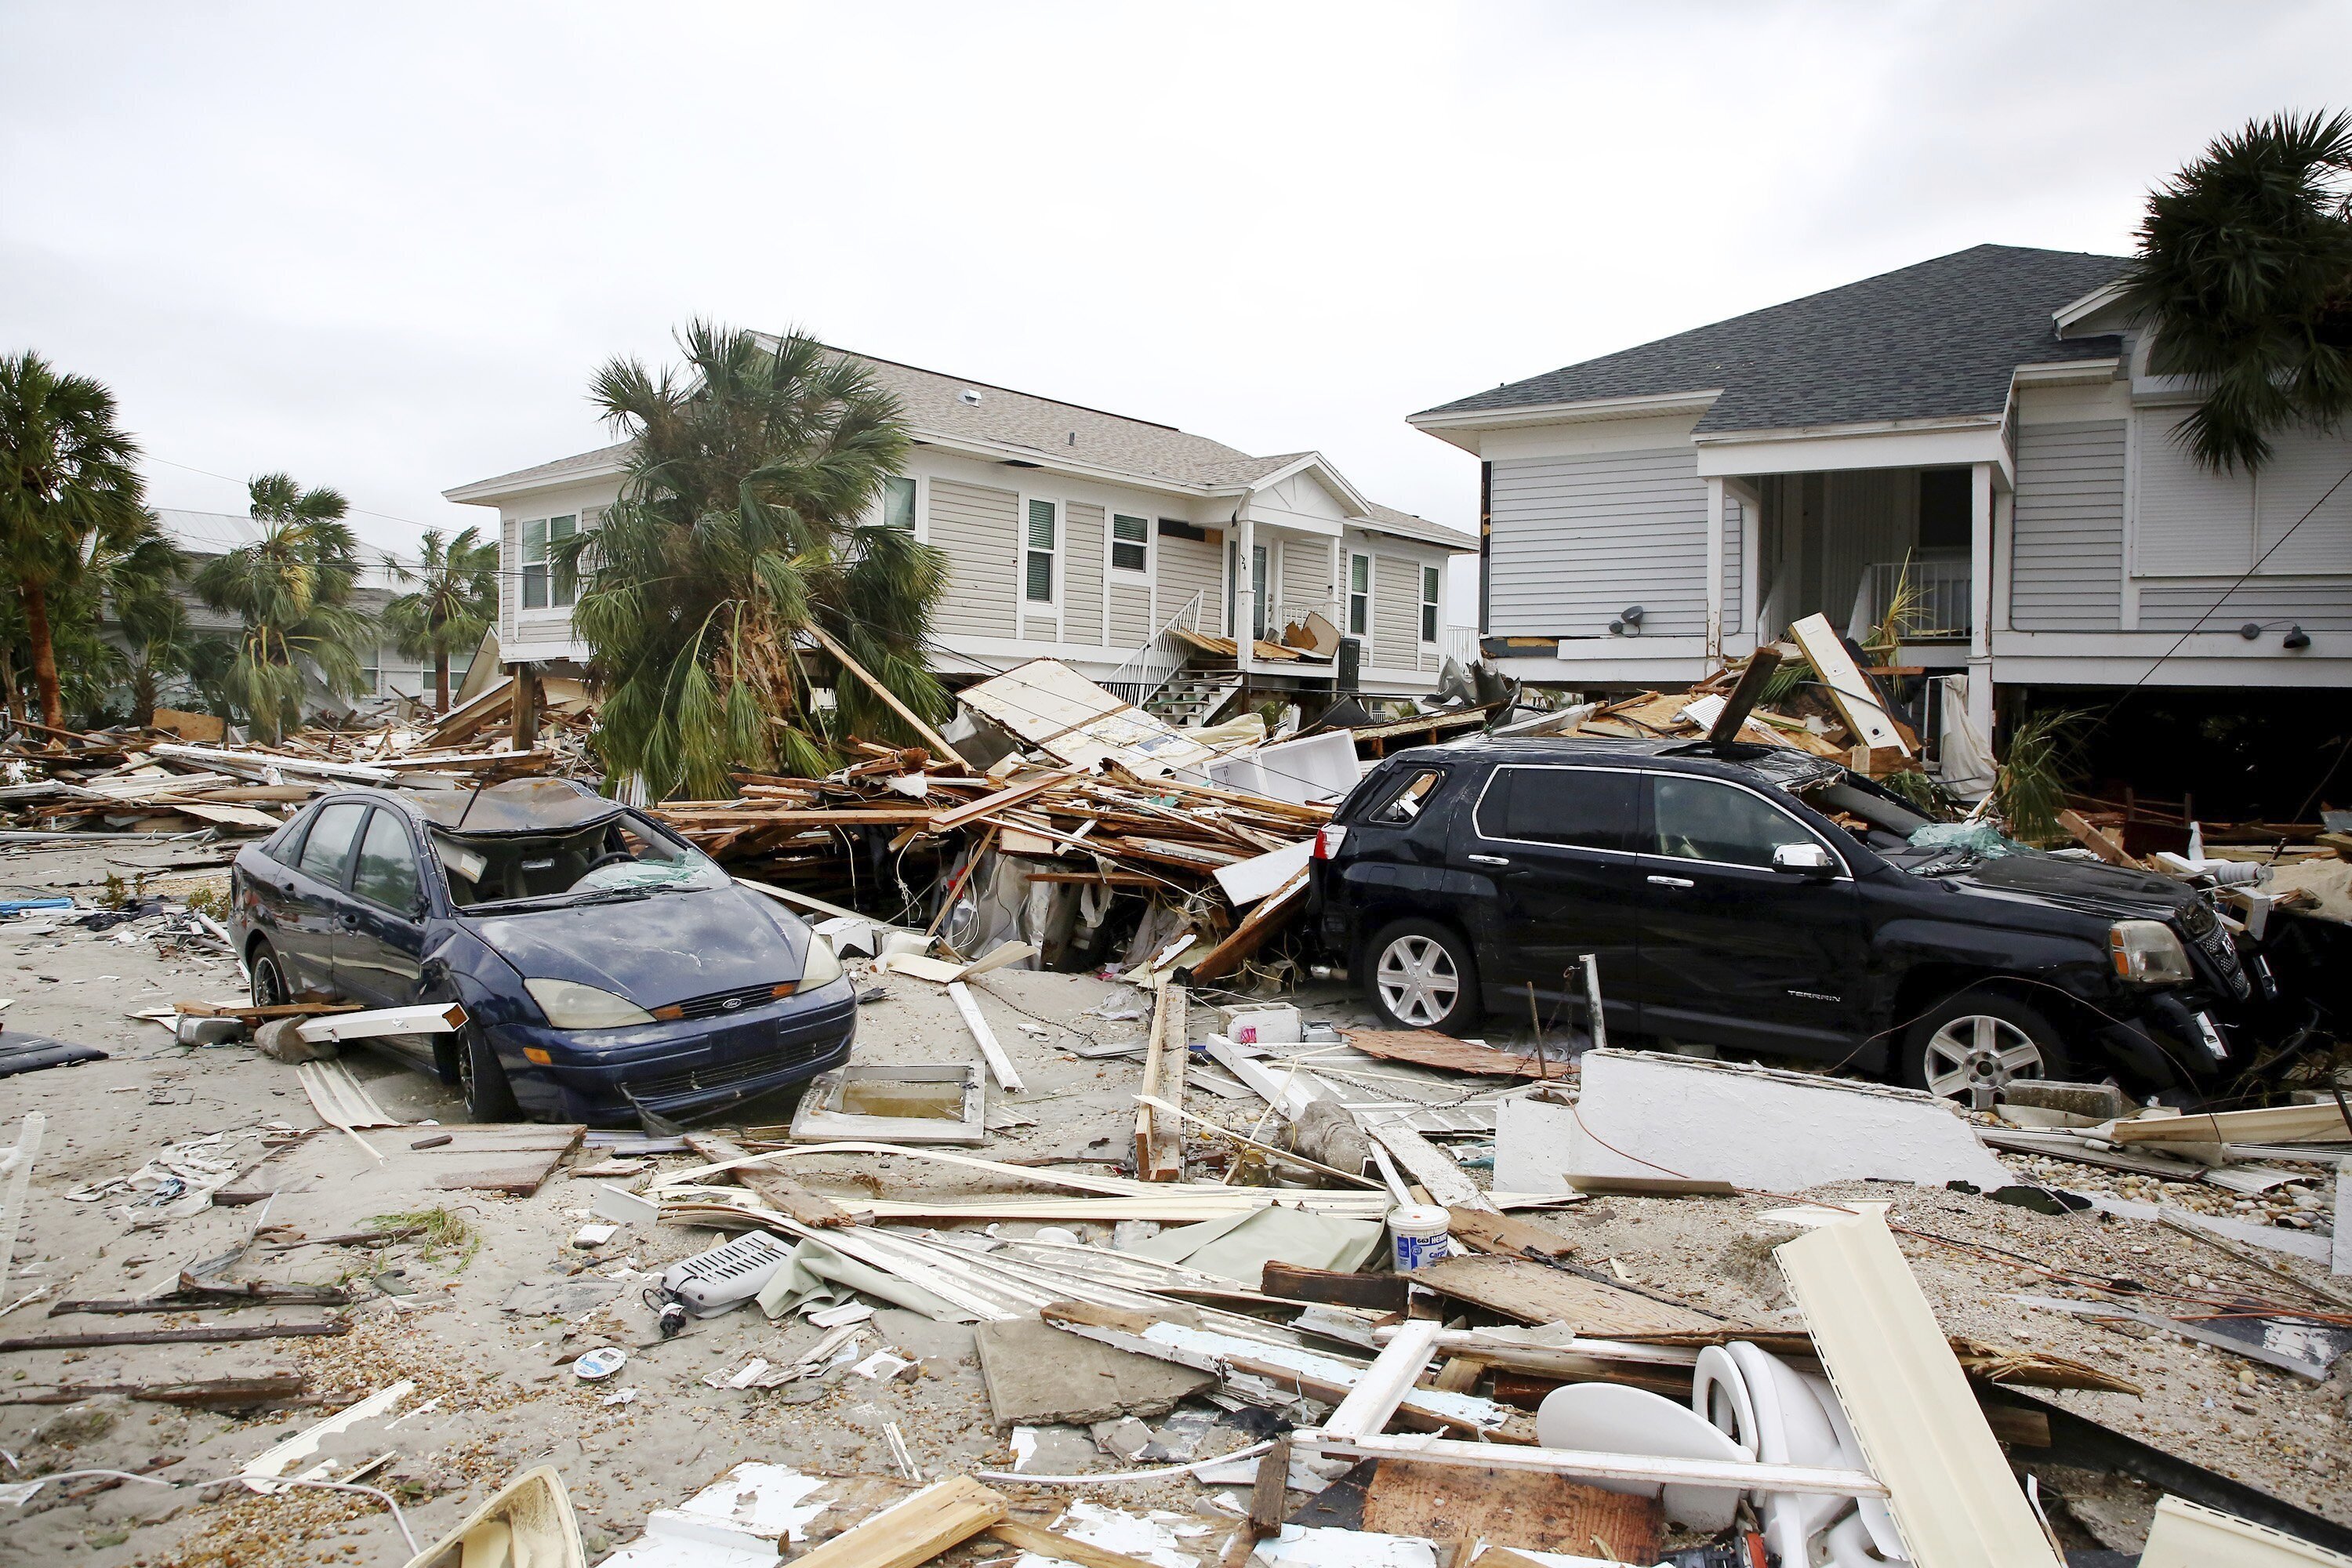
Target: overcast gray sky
[{"x": 385, "y": 248}]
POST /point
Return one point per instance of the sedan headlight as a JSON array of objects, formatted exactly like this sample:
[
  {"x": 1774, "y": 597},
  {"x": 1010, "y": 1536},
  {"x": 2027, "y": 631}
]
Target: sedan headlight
[
  {"x": 2146, "y": 953},
  {"x": 572, "y": 1005},
  {"x": 822, "y": 967}
]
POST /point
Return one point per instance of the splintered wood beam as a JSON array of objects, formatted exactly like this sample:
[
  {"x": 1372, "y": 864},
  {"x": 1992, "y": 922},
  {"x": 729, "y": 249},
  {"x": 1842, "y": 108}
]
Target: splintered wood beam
[
  {"x": 890, "y": 699},
  {"x": 770, "y": 1186},
  {"x": 943, "y": 1514},
  {"x": 1160, "y": 1136}
]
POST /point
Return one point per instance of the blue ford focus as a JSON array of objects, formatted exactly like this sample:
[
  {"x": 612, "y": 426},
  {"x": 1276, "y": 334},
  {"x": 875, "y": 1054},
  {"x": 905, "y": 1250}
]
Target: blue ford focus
[{"x": 611, "y": 973}]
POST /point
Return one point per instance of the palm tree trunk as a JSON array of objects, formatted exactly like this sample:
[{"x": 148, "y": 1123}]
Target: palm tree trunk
[
  {"x": 440, "y": 678},
  {"x": 45, "y": 656}
]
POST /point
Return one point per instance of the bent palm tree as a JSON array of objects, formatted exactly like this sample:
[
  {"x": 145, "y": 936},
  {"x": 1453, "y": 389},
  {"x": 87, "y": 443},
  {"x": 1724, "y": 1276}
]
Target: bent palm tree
[
  {"x": 454, "y": 605},
  {"x": 2244, "y": 273},
  {"x": 293, "y": 588},
  {"x": 737, "y": 528},
  {"x": 69, "y": 493}
]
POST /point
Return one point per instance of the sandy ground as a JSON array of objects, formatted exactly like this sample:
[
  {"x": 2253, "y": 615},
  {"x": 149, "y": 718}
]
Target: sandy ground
[{"x": 503, "y": 1397}]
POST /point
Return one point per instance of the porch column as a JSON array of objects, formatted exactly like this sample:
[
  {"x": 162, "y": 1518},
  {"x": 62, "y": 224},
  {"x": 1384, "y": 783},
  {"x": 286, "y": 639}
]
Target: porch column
[
  {"x": 1714, "y": 572},
  {"x": 1980, "y": 553},
  {"x": 1239, "y": 562}
]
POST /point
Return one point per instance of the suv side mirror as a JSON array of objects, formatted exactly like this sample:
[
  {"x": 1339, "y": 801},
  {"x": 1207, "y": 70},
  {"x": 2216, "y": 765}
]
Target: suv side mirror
[{"x": 1804, "y": 860}]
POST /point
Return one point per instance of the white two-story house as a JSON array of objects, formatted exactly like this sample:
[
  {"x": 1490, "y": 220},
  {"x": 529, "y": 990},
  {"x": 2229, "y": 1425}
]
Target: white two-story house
[
  {"x": 1983, "y": 425},
  {"x": 1125, "y": 548}
]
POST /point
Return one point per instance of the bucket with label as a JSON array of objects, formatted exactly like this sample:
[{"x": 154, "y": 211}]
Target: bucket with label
[{"x": 1418, "y": 1233}]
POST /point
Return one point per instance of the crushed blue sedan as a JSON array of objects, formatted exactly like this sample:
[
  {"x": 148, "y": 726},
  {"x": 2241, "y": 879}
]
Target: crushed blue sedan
[{"x": 611, "y": 973}]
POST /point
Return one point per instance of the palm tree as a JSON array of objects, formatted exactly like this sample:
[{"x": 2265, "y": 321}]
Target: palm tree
[
  {"x": 2244, "y": 273},
  {"x": 293, "y": 588},
  {"x": 69, "y": 493},
  {"x": 453, "y": 609},
  {"x": 738, "y": 528}
]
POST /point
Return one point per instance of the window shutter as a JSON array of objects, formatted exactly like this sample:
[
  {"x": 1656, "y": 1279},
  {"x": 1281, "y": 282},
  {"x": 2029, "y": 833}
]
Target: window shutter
[
  {"x": 2301, "y": 470},
  {"x": 2190, "y": 520},
  {"x": 509, "y": 577}
]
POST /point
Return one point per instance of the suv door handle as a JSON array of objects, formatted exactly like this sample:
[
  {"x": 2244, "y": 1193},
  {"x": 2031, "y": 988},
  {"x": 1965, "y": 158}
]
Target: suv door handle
[
  {"x": 1671, "y": 882},
  {"x": 1489, "y": 859}
]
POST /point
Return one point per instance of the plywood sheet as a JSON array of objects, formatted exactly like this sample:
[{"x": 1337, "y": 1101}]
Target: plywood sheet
[
  {"x": 1538, "y": 1293},
  {"x": 1522, "y": 1508}
]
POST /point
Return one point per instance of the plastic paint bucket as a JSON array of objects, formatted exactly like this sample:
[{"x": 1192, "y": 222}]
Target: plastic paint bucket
[{"x": 1418, "y": 1233}]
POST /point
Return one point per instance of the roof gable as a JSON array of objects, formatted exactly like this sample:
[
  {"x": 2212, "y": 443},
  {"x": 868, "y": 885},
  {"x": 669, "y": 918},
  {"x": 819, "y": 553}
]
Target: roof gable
[{"x": 1938, "y": 340}]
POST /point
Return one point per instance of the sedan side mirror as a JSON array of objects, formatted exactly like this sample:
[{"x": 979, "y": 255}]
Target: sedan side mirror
[{"x": 1804, "y": 860}]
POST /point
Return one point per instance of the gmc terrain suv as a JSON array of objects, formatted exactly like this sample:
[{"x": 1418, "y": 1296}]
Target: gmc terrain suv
[{"x": 1760, "y": 898}]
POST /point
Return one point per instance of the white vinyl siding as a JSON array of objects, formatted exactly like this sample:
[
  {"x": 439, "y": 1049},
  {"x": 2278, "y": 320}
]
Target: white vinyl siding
[
  {"x": 1306, "y": 575},
  {"x": 2189, "y": 521},
  {"x": 1130, "y": 613},
  {"x": 975, "y": 526},
  {"x": 1188, "y": 567},
  {"x": 1082, "y": 589},
  {"x": 1575, "y": 539},
  {"x": 1396, "y": 612},
  {"x": 2067, "y": 551},
  {"x": 2315, "y": 604}
]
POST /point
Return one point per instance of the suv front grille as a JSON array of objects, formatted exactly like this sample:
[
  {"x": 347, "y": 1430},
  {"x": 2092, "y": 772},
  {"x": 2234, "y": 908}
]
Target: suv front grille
[{"x": 2212, "y": 939}]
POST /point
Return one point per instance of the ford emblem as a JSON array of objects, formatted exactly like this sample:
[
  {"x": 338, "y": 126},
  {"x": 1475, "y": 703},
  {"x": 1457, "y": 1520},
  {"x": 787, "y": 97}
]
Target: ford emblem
[{"x": 731, "y": 1004}]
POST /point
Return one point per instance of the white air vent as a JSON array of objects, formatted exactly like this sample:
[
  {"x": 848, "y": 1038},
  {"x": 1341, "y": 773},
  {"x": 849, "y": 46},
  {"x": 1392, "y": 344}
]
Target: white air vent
[
  {"x": 710, "y": 1282},
  {"x": 968, "y": 398}
]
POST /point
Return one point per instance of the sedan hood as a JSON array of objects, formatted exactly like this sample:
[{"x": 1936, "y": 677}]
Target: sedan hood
[
  {"x": 655, "y": 950},
  {"x": 2078, "y": 885}
]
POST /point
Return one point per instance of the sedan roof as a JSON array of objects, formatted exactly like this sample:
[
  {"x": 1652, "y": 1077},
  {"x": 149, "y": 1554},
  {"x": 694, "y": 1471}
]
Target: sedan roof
[{"x": 517, "y": 807}]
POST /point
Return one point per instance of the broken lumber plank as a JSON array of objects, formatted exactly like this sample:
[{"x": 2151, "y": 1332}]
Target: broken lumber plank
[
  {"x": 1062, "y": 1548},
  {"x": 379, "y": 1023},
  {"x": 1737, "y": 1474},
  {"x": 1265, "y": 919},
  {"x": 1852, "y": 692},
  {"x": 770, "y": 1186},
  {"x": 2271, "y": 1124},
  {"x": 1538, "y": 1293},
  {"x": 2085, "y": 833},
  {"x": 1748, "y": 692},
  {"x": 1012, "y": 795},
  {"x": 1509, "y": 1237},
  {"x": 216, "y": 1335},
  {"x": 211, "y": 1393},
  {"x": 1385, "y": 1383},
  {"x": 998, "y": 1064},
  {"x": 205, "y": 1300},
  {"x": 1428, "y": 1164},
  {"x": 1160, "y": 1139},
  {"x": 943, "y": 1514},
  {"x": 1375, "y": 1292},
  {"x": 890, "y": 699}
]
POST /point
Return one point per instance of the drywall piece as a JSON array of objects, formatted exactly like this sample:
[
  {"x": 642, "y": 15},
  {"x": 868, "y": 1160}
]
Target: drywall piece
[
  {"x": 1037, "y": 1374},
  {"x": 1908, "y": 1403},
  {"x": 922, "y": 1102},
  {"x": 1246, "y": 881},
  {"x": 529, "y": 1522},
  {"x": 379, "y": 1023},
  {"x": 27, "y": 1149},
  {"x": 1094, "y": 1536},
  {"x": 273, "y": 1461},
  {"x": 738, "y": 1522},
  {"x": 1644, "y": 1116},
  {"x": 1856, "y": 700},
  {"x": 985, "y": 1037},
  {"x": 1309, "y": 1546},
  {"x": 2187, "y": 1535}
]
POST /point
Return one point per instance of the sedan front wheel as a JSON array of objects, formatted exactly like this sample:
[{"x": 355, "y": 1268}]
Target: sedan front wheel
[{"x": 1422, "y": 977}]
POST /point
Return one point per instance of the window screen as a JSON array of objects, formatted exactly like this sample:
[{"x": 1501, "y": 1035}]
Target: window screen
[
  {"x": 1130, "y": 543},
  {"x": 898, "y": 503},
  {"x": 387, "y": 868},
  {"x": 1038, "y": 572},
  {"x": 1700, "y": 819},
  {"x": 330, "y": 844},
  {"x": 1587, "y": 808}
]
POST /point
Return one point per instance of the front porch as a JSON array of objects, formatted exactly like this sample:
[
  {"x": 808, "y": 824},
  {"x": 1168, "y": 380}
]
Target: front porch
[{"x": 1873, "y": 549}]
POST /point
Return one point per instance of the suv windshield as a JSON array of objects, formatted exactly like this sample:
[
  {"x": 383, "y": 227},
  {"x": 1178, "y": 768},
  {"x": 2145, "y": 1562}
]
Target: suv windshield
[{"x": 623, "y": 856}]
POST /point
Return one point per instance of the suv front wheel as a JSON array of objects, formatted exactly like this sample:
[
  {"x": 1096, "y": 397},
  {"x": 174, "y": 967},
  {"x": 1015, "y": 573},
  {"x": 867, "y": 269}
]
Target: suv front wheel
[
  {"x": 1421, "y": 976},
  {"x": 1980, "y": 1037}
]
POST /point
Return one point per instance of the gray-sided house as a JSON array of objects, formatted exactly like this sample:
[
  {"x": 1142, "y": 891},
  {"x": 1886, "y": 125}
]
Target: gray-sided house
[{"x": 1983, "y": 425}]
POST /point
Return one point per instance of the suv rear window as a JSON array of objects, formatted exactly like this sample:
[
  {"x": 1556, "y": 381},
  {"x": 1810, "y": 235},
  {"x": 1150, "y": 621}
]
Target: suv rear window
[
  {"x": 1586, "y": 808},
  {"x": 1404, "y": 800}
]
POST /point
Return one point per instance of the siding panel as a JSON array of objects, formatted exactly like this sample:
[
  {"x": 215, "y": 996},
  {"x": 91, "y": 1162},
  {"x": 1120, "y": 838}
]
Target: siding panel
[
  {"x": 1396, "y": 612},
  {"x": 2067, "y": 551},
  {"x": 974, "y": 525},
  {"x": 1575, "y": 540},
  {"x": 1130, "y": 614},
  {"x": 1082, "y": 571},
  {"x": 2316, "y": 605},
  {"x": 1307, "y": 573},
  {"x": 1188, "y": 567}
]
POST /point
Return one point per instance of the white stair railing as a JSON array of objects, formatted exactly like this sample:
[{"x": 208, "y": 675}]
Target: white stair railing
[{"x": 1150, "y": 666}]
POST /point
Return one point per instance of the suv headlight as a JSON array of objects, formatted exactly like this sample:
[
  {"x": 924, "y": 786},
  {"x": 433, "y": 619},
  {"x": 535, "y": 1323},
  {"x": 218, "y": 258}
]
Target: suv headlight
[
  {"x": 822, "y": 966},
  {"x": 2146, "y": 953},
  {"x": 572, "y": 1005}
]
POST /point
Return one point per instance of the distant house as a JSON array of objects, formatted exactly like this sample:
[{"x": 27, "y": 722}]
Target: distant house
[
  {"x": 1983, "y": 425},
  {"x": 1126, "y": 548},
  {"x": 387, "y": 673}
]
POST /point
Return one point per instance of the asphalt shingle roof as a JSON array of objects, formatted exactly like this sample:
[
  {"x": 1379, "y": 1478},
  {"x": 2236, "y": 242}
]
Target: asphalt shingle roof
[
  {"x": 1935, "y": 339},
  {"x": 1057, "y": 432}
]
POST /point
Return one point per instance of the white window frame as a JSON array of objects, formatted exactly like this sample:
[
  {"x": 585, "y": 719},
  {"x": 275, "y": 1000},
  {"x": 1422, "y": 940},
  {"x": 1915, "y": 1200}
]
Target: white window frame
[
  {"x": 881, "y": 509},
  {"x": 1371, "y": 577},
  {"x": 1023, "y": 551},
  {"x": 1432, "y": 605},
  {"x": 1111, "y": 542}
]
